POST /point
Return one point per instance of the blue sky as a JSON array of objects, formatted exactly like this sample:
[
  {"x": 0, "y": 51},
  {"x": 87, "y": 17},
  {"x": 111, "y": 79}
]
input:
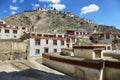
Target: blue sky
[{"x": 106, "y": 12}]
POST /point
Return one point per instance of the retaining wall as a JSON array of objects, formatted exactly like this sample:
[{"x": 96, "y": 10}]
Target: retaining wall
[
  {"x": 77, "y": 68},
  {"x": 84, "y": 69}
]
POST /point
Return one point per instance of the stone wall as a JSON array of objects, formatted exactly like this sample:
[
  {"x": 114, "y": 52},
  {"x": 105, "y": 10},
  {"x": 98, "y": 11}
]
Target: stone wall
[
  {"x": 12, "y": 49},
  {"x": 84, "y": 53}
]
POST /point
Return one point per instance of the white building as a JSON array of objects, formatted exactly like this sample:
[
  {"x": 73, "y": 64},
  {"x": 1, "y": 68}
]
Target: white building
[
  {"x": 79, "y": 32},
  {"x": 117, "y": 36},
  {"x": 45, "y": 43},
  {"x": 103, "y": 37},
  {"x": 2, "y": 22},
  {"x": 75, "y": 35},
  {"x": 9, "y": 32}
]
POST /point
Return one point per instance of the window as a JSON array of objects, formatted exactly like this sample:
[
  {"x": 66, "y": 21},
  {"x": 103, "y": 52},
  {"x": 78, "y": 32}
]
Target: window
[
  {"x": 107, "y": 36},
  {"x": 6, "y": 31},
  {"x": 62, "y": 42},
  {"x": 59, "y": 35},
  {"x": 55, "y": 50},
  {"x": 109, "y": 48},
  {"x": 32, "y": 34},
  {"x": 37, "y": 42},
  {"x": 46, "y": 50},
  {"x": 0, "y": 30},
  {"x": 37, "y": 51},
  {"x": 83, "y": 33},
  {"x": 77, "y": 33},
  {"x": 15, "y": 31},
  {"x": 23, "y": 28},
  {"x": 39, "y": 35},
  {"x": 1, "y": 22},
  {"x": 46, "y": 41},
  {"x": 118, "y": 36},
  {"x": 70, "y": 32},
  {"x": 54, "y": 42}
]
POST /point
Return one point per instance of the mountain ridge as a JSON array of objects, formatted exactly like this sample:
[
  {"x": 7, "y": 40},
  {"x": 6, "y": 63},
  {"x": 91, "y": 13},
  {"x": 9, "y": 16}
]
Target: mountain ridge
[{"x": 51, "y": 21}]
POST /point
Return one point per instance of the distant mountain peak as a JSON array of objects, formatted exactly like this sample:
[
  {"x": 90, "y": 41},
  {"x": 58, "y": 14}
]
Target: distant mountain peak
[{"x": 53, "y": 21}]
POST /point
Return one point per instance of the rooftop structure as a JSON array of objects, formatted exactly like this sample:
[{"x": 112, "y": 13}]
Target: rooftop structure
[{"x": 88, "y": 52}]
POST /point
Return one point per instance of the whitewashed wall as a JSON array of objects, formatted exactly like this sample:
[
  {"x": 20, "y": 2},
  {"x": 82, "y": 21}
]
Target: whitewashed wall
[
  {"x": 9, "y": 35},
  {"x": 50, "y": 46}
]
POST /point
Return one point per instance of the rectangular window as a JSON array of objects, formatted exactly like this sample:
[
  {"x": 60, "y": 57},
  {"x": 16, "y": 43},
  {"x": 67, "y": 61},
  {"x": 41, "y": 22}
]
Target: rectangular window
[
  {"x": 54, "y": 42},
  {"x": 107, "y": 36},
  {"x": 0, "y": 30},
  {"x": 59, "y": 35},
  {"x": 39, "y": 35},
  {"x": 77, "y": 33},
  {"x": 62, "y": 42},
  {"x": 15, "y": 31},
  {"x": 37, "y": 51},
  {"x": 55, "y": 50},
  {"x": 83, "y": 33},
  {"x": 46, "y": 50},
  {"x": 46, "y": 41},
  {"x": 6, "y": 31},
  {"x": 37, "y": 42},
  {"x": 32, "y": 34}
]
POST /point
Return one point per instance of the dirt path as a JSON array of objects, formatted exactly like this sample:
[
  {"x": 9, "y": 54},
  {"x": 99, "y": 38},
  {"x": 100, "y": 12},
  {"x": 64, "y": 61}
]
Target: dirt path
[{"x": 43, "y": 67}]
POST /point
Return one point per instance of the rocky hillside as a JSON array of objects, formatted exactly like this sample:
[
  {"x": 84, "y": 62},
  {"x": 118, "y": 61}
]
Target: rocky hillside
[
  {"x": 116, "y": 44},
  {"x": 51, "y": 21}
]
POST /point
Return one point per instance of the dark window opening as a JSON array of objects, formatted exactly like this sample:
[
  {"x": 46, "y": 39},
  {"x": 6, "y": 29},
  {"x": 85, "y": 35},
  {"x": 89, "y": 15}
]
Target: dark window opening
[
  {"x": 46, "y": 50},
  {"x": 46, "y": 41},
  {"x": 54, "y": 42},
  {"x": 37, "y": 51},
  {"x": 15, "y": 31},
  {"x": 55, "y": 50},
  {"x": 107, "y": 36},
  {"x": 62, "y": 42},
  {"x": 37, "y": 42},
  {"x": 6, "y": 31}
]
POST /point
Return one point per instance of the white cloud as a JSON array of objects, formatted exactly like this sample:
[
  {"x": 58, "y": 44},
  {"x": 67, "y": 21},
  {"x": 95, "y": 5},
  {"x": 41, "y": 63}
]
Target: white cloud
[
  {"x": 13, "y": 7},
  {"x": 55, "y": 1},
  {"x": 44, "y": 0},
  {"x": 52, "y": 1},
  {"x": 35, "y": 5},
  {"x": 58, "y": 7},
  {"x": 21, "y": 1},
  {"x": 14, "y": 1},
  {"x": 13, "y": 12},
  {"x": 89, "y": 9}
]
